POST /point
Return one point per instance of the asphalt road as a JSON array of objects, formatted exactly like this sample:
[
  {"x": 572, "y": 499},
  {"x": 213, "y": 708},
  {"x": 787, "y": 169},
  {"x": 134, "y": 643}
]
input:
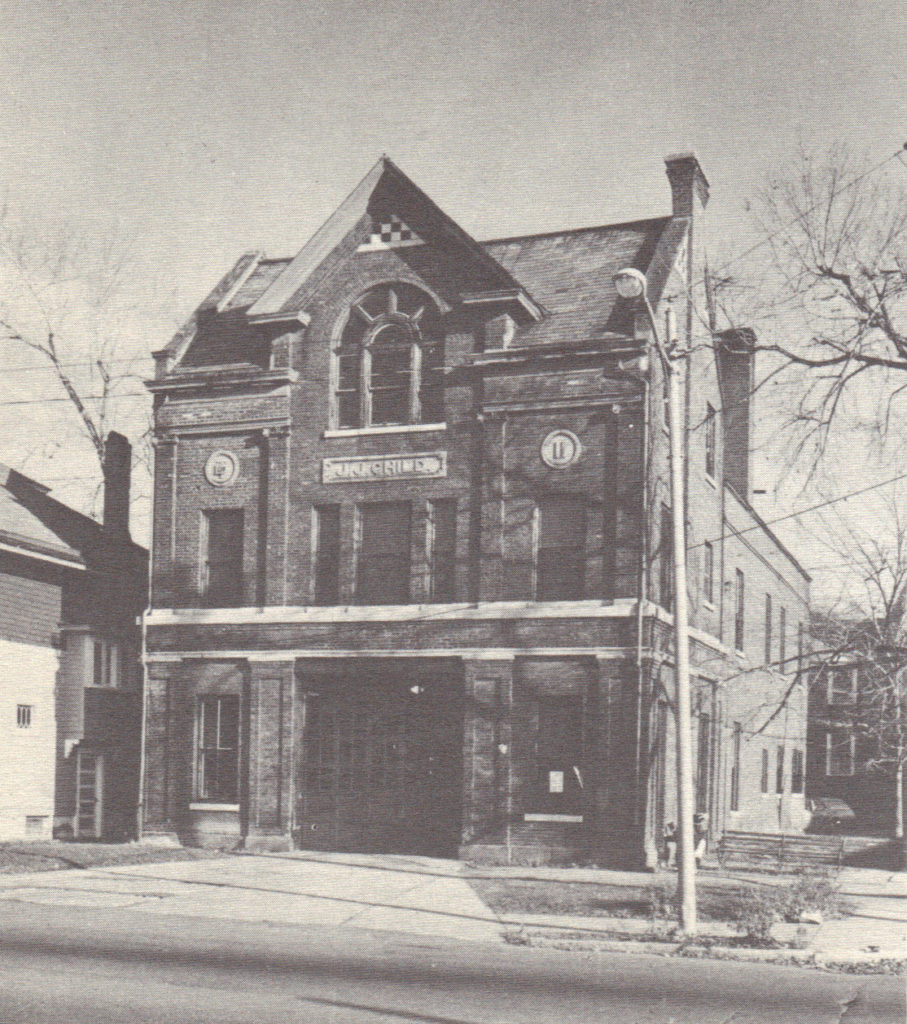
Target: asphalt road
[{"x": 94, "y": 966}]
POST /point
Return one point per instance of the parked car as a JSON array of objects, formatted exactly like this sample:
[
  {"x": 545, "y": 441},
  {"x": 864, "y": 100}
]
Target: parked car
[{"x": 829, "y": 814}]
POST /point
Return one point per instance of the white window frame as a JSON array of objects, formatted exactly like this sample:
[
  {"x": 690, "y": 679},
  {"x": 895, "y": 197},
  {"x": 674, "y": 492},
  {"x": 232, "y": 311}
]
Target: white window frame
[
  {"x": 830, "y": 697},
  {"x": 828, "y": 754}
]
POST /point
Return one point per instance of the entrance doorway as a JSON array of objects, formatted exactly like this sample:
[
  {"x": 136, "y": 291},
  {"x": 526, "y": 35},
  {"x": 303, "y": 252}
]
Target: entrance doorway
[
  {"x": 382, "y": 765},
  {"x": 89, "y": 812}
]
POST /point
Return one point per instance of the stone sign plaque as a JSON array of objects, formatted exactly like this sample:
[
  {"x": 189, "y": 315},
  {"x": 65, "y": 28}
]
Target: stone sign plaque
[{"x": 373, "y": 468}]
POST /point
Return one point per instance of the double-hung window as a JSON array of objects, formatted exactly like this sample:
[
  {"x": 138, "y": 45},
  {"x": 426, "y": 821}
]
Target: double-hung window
[
  {"x": 217, "y": 765},
  {"x": 839, "y": 751},
  {"x": 327, "y": 554},
  {"x": 739, "y": 609},
  {"x": 710, "y": 439}
]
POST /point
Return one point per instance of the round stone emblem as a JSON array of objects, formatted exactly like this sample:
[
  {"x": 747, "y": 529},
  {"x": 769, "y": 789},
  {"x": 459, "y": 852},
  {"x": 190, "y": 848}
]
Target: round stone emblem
[
  {"x": 561, "y": 448},
  {"x": 221, "y": 469}
]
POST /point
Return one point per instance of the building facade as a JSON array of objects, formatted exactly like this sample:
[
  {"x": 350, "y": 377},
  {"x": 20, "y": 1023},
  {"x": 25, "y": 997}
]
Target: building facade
[
  {"x": 71, "y": 594},
  {"x": 411, "y": 560}
]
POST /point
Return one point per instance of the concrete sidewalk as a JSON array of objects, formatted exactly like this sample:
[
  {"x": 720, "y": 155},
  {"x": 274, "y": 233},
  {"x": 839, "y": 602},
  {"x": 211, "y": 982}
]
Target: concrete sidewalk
[
  {"x": 429, "y": 897},
  {"x": 422, "y": 896}
]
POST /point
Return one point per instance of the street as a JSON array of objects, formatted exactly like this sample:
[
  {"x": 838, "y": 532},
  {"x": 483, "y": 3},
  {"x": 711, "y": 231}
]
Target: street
[{"x": 99, "y": 966}]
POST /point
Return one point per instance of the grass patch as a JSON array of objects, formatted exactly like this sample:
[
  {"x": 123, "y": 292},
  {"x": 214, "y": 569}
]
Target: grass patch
[{"x": 18, "y": 858}]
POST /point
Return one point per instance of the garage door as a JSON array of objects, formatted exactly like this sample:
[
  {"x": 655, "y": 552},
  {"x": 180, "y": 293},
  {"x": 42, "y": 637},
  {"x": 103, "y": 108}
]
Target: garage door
[{"x": 382, "y": 768}]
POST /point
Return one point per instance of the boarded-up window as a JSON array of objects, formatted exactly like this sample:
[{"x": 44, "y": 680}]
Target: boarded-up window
[
  {"x": 384, "y": 553},
  {"x": 796, "y": 771},
  {"x": 560, "y": 565},
  {"x": 559, "y": 757},
  {"x": 327, "y": 554},
  {"x": 222, "y": 569},
  {"x": 443, "y": 550},
  {"x": 217, "y": 776}
]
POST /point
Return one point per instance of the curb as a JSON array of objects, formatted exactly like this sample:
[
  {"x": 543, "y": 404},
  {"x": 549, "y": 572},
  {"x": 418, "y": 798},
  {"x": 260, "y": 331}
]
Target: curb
[{"x": 844, "y": 962}]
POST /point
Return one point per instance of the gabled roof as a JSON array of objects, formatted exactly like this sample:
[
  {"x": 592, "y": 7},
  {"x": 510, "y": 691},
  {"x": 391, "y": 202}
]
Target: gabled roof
[
  {"x": 35, "y": 525},
  {"x": 287, "y": 294}
]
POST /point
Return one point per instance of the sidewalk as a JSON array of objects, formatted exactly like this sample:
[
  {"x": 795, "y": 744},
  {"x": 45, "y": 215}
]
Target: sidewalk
[
  {"x": 433, "y": 897},
  {"x": 419, "y": 895}
]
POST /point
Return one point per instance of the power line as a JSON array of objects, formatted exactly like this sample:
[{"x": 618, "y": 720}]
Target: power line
[
  {"x": 84, "y": 398},
  {"x": 801, "y": 512}
]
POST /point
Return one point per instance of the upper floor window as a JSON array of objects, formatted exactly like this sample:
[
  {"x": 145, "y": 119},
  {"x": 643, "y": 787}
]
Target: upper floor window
[
  {"x": 739, "y": 609},
  {"x": 840, "y": 744},
  {"x": 383, "y": 575},
  {"x": 666, "y": 559},
  {"x": 782, "y": 638},
  {"x": 443, "y": 549},
  {"x": 767, "y": 635},
  {"x": 388, "y": 363},
  {"x": 842, "y": 684},
  {"x": 710, "y": 439},
  {"x": 109, "y": 664},
  {"x": 222, "y": 553},
  {"x": 708, "y": 572},
  {"x": 327, "y": 554},
  {"x": 560, "y": 562}
]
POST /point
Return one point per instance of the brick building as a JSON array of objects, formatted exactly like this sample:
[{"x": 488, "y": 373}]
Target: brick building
[
  {"x": 409, "y": 586},
  {"x": 71, "y": 592}
]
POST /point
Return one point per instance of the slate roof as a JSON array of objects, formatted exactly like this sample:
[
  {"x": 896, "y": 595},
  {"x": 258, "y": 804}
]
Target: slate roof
[{"x": 570, "y": 273}]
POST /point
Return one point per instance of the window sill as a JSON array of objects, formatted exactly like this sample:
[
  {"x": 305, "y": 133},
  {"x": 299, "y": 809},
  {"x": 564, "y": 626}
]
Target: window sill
[
  {"x": 553, "y": 817},
  {"x": 202, "y": 805},
  {"x": 401, "y": 428}
]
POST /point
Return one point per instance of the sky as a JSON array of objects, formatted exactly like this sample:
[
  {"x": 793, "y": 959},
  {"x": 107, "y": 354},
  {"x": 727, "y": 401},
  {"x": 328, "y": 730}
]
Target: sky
[{"x": 188, "y": 133}]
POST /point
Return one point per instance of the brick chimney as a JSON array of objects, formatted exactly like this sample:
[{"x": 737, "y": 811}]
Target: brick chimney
[
  {"x": 689, "y": 186},
  {"x": 734, "y": 352},
  {"x": 117, "y": 475}
]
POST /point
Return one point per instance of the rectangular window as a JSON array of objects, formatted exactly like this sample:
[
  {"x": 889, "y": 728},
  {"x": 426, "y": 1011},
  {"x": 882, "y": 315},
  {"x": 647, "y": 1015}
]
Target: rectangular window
[
  {"x": 842, "y": 684},
  {"x": 703, "y": 763},
  {"x": 106, "y": 665},
  {"x": 839, "y": 751},
  {"x": 768, "y": 629},
  {"x": 443, "y": 552},
  {"x": 782, "y": 638},
  {"x": 561, "y": 558},
  {"x": 708, "y": 572},
  {"x": 796, "y": 771},
  {"x": 739, "y": 609},
  {"x": 801, "y": 646},
  {"x": 779, "y": 769},
  {"x": 23, "y": 716},
  {"x": 327, "y": 554},
  {"x": 666, "y": 559},
  {"x": 559, "y": 756},
  {"x": 222, "y": 570},
  {"x": 383, "y": 570},
  {"x": 217, "y": 777},
  {"x": 763, "y": 775},
  {"x": 710, "y": 438},
  {"x": 736, "y": 744}
]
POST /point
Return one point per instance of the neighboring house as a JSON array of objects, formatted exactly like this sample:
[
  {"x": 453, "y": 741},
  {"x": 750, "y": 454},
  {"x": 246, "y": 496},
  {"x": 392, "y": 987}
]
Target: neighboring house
[
  {"x": 844, "y": 758},
  {"x": 411, "y": 548},
  {"x": 71, "y": 591}
]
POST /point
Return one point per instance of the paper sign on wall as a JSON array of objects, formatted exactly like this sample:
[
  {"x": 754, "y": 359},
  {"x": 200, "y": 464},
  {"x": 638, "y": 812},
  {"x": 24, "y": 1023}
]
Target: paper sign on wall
[{"x": 555, "y": 782}]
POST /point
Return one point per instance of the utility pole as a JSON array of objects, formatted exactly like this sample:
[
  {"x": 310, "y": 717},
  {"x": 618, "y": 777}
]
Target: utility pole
[{"x": 630, "y": 284}]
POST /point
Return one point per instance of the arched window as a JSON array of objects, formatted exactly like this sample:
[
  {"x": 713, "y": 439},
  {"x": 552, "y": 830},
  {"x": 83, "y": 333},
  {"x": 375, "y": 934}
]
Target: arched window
[{"x": 388, "y": 362}]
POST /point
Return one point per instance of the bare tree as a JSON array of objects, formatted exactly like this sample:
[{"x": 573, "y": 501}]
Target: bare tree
[
  {"x": 65, "y": 307},
  {"x": 827, "y": 292},
  {"x": 864, "y": 640}
]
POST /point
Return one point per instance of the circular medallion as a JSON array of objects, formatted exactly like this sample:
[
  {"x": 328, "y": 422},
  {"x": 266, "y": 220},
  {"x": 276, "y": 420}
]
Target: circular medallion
[
  {"x": 561, "y": 448},
  {"x": 221, "y": 469}
]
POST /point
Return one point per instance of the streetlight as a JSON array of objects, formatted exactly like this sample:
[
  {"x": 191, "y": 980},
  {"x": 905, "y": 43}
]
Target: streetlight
[{"x": 631, "y": 284}]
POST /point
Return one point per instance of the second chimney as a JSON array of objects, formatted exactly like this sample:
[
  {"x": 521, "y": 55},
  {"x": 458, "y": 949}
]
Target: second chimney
[
  {"x": 117, "y": 477},
  {"x": 689, "y": 185}
]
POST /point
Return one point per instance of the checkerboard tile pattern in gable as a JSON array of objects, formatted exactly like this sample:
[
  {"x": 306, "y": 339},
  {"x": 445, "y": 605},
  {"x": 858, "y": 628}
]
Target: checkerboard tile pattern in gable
[{"x": 390, "y": 233}]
